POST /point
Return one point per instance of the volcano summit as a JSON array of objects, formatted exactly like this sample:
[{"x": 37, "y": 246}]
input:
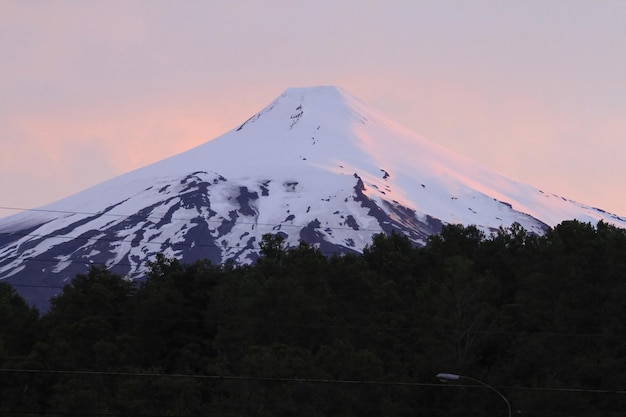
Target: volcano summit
[{"x": 317, "y": 164}]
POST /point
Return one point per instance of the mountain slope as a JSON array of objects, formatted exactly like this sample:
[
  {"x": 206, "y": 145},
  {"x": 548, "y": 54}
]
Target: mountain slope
[{"x": 316, "y": 164}]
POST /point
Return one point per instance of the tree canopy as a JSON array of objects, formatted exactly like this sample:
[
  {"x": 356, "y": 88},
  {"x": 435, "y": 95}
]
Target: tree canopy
[{"x": 539, "y": 318}]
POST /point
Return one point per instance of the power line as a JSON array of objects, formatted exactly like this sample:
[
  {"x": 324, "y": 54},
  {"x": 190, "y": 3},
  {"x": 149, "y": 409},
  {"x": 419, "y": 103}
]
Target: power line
[
  {"x": 36, "y": 286},
  {"x": 125, "y": 264},
  {"x": 251, "y": 246},
  {"x": 8, "y": 259},
  {"x": 183, "y": 219},
  {"x": 248, "y": 246},
  {"x": 300, "y": 380},
  {"x": 217, "y": 377},
  {"x": 105, "y": 239}
]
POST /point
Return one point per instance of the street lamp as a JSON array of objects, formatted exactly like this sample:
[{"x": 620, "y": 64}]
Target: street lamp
[{"x": 444, "y": 377}]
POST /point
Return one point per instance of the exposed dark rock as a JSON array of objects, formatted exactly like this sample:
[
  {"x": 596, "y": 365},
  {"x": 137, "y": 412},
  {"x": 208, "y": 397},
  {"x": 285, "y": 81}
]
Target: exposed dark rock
[
  {"x": 351, "y": 222},
  {"x": 244, "y": 199}
]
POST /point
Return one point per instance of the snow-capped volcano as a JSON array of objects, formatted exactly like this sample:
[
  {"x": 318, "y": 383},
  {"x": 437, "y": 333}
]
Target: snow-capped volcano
[{"x": 317, "y": 164}]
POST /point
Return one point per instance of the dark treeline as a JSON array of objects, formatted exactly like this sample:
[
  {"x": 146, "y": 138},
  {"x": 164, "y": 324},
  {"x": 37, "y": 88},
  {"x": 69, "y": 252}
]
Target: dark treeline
[{"x": 542, "y": 319}]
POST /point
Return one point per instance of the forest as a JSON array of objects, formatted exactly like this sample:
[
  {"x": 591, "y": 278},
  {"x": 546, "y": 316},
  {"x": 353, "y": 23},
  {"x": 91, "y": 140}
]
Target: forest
[{"x": 539, "y": 320}]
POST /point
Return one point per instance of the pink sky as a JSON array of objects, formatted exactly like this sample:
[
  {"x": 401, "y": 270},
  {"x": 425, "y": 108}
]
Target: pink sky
[{"x": 92, "y": 89}]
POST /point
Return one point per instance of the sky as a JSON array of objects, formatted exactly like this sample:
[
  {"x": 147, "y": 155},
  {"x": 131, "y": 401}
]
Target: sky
[{"x": 92, "y": 89}]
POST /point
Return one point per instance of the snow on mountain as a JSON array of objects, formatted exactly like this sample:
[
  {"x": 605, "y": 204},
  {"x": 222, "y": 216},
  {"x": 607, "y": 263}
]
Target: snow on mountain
[{"x": 317, "y": 164}]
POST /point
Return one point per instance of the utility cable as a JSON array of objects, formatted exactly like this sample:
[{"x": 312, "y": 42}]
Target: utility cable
[{"x": 181, "y": 219}]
